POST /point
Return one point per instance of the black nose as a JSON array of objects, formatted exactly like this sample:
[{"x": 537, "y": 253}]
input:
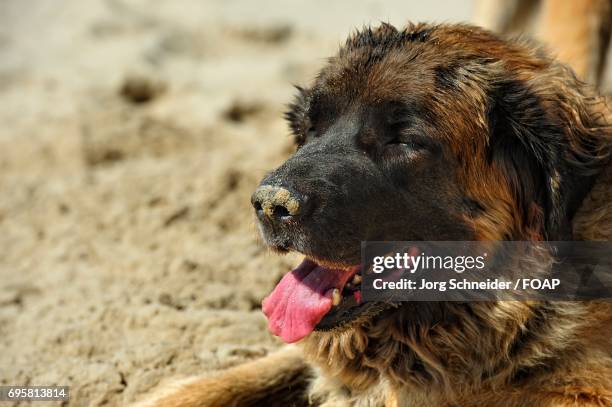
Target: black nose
[{"x": 277, "y": 203}]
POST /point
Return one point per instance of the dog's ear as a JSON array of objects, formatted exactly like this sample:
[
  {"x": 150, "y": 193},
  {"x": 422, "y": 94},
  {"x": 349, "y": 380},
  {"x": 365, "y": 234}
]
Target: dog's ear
[
  {"x": 297, "y": 114},
  {"x": 550, "y": 144}
]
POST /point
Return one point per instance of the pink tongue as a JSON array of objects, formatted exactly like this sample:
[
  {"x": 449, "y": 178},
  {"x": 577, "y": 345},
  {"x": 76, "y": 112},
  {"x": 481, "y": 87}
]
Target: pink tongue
[{"x": 301, "y": 299}]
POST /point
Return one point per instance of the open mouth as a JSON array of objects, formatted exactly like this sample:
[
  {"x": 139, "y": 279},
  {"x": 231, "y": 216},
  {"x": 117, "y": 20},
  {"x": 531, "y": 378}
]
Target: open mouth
[{"x": 314, "y": 297}]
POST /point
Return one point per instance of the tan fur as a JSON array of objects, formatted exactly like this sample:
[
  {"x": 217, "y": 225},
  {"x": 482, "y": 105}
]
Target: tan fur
[
  {"x": 237, "y": 386},
  {"x": 576, "y": 31},
  {"x": 507, "y": 353}
]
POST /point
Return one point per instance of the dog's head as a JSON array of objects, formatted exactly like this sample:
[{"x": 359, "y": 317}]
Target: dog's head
[{"x": 428, "y": 133}]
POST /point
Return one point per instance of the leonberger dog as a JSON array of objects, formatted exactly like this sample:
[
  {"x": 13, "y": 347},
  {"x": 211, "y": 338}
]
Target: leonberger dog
[{"x": 437, "y": 133}]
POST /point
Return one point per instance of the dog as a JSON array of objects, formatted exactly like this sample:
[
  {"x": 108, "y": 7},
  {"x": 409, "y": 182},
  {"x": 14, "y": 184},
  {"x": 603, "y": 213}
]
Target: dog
[{"x": 431, "y": 132}]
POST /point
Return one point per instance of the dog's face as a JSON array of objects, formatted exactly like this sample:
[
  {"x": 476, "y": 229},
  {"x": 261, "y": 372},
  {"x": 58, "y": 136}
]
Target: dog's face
[
  {"x": 421, "y": 134},
  {"x": 373, "y": 162},
  {"x": 366, "y": 168}
]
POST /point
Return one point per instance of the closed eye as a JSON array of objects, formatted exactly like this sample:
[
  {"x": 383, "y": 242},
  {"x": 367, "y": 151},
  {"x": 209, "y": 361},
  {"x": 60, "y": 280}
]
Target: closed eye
[
  {"x": 411, "y": 145},
  {"x": 408, "y": 143},
  {"x": 409, "y": 138}
]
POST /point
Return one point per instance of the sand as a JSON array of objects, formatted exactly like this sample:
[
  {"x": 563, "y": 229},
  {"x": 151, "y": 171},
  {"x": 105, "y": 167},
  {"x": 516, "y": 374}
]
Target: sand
[{"x": 133, "y": 134}]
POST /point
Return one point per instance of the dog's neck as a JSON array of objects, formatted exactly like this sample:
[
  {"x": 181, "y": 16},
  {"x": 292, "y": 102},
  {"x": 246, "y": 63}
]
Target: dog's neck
[{"x": 416, "y": 347}]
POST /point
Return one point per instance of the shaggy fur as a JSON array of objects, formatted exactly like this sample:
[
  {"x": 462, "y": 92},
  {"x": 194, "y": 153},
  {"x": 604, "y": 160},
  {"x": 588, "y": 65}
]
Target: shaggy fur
[{"x": 533, "y": 144}]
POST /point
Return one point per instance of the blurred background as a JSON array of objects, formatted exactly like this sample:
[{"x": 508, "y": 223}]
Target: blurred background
[{"x": 133, "y": 133}]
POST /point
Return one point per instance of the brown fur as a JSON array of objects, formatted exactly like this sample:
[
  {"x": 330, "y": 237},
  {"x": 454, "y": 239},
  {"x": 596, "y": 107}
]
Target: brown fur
[
  {"x": 506, "y": 353},
  {"x": 234, "y": 387}
]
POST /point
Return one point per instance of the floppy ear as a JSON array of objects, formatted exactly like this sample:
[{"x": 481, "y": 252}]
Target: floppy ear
[{"x": 550, "y": 143}]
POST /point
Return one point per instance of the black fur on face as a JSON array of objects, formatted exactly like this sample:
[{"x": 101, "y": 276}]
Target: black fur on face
[{"x": 368, "y": 172}]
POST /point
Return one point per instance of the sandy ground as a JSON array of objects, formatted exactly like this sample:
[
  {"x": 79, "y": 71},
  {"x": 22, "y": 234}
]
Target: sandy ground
[{"x": 133, "y": 133}]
